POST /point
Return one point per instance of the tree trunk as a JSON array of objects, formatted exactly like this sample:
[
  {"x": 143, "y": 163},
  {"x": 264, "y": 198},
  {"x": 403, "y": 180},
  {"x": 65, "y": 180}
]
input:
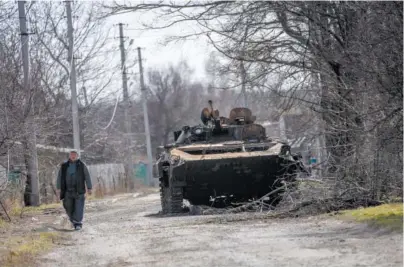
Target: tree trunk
[{"x": 31, "y": 195}]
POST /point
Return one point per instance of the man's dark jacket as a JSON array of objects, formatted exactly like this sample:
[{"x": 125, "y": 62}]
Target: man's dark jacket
[{"x": 82, "y": 178}]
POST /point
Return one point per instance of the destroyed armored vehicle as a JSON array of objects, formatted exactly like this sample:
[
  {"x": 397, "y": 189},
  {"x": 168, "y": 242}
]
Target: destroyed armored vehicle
[{"x": 229, "y": 158}]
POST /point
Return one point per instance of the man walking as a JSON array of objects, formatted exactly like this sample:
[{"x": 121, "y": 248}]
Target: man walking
[{"x": 73, "y": 177}]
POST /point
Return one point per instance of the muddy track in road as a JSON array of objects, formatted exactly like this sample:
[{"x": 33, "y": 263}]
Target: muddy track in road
[{"x": 120, "y": 233}]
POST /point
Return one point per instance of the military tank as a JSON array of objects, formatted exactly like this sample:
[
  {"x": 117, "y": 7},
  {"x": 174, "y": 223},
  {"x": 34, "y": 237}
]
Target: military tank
[{"x": 227, "y": 158}]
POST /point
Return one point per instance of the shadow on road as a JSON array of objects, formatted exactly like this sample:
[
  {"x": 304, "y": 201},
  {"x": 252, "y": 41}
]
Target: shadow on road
[
  {"x": 50, "y": 228},
  {"x": 161, "y": 215}
]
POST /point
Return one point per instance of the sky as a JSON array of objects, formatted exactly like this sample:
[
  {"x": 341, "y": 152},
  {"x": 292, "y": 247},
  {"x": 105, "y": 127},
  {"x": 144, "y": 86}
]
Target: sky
[{"x": 154, "y": 52}]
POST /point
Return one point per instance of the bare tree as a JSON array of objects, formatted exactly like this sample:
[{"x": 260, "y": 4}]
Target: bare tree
[
  {"x": 341, "y": 60},
  {"x": 18, "y": 98},
  {"x": 172, "y": 100},
  {"x": 89, "y": 54}
]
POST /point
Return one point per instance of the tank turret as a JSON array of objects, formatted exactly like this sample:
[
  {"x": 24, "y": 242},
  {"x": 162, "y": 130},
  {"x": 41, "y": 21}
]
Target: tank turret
[{"x": 241, "y": 116}]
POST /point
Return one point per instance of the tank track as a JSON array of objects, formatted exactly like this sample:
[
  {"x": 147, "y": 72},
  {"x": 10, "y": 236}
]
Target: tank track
[
  {"x": 171, "y": 199},
  {"x": 163, "y": 196}
]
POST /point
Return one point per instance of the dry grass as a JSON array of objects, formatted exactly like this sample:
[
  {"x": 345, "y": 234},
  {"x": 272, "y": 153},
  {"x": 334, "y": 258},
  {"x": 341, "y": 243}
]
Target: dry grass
[
  {"x": 19, "y": 245},
  {"x": 4, "y": 224},
  {"x": 17, "y": 210},
  {"x": 101, "y": 193},
  {"x": 387, "y": 215},
  {"x": 23, "y": 250}
]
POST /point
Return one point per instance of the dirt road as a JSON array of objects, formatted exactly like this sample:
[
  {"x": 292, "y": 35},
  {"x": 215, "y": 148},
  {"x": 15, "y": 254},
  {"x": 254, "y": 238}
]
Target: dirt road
[{"x": 120, "y": 232}]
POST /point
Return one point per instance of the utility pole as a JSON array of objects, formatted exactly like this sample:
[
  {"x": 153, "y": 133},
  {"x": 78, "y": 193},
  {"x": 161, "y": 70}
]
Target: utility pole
[
  {"x": 146, "y": 122},
  {"x": 243, "y": 71},
  {"x": 243, "y": 82},
  {"x": 73, "y": 82},
  {"x": 31, "y": 196},
  {"x": 128, "y": 146}
]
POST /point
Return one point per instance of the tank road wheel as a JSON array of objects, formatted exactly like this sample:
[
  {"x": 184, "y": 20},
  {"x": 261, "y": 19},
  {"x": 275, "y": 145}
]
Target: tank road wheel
[{"x": 171, "y": 198}]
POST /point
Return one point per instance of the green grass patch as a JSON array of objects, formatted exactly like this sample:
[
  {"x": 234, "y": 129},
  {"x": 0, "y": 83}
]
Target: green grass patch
[
  {"x": 23, "y": 250},
  {"x": 386, "y": 215}
]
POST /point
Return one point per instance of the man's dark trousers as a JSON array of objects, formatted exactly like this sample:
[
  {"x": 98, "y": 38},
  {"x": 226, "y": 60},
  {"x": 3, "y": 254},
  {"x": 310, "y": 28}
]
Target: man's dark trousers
[{"x": 74, "y": 206}]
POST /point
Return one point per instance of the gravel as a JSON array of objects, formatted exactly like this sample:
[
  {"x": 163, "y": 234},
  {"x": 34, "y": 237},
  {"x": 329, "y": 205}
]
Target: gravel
[{"x": 121, "y": 232}]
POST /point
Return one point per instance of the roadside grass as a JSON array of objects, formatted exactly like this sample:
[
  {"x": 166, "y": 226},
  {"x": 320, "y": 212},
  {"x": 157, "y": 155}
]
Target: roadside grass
[
  {"x": 19, "y": 246},
  {"x": 4, "y": 224},
  {"x": 95, "y": 196},
  {"x": 22, "y": 250},
  {"x": 388, "y": 216},
  {"x": 17, "y": 209}
]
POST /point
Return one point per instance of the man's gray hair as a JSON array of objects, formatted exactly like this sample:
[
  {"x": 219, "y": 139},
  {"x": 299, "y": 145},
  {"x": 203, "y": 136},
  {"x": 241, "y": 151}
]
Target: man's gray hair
[{"x": 75, "y": 151}]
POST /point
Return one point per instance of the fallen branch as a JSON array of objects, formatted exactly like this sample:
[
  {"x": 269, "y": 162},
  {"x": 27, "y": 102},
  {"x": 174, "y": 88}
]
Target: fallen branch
[
  {"x": 311, "y": 180},
  {"x": 259, "y": 201},
  {"x": 5, "y": 211}
]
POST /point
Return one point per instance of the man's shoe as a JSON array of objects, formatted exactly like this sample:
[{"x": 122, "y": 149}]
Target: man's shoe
[{"x": 77, "y": 228}]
